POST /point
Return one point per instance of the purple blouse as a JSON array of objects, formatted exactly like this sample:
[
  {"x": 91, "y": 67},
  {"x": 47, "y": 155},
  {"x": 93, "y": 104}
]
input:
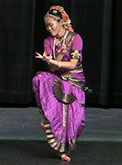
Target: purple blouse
[{"x": 77, "y": 44}]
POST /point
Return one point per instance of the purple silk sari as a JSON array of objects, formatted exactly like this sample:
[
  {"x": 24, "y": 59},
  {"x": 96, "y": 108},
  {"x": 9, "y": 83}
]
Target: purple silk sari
[{"x": 64, "y": 119}]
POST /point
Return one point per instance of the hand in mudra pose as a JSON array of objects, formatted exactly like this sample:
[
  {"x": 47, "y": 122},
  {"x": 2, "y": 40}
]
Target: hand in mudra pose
[
  {"x": 48, "y": 59},
  {"x": 63, "y": 50}
]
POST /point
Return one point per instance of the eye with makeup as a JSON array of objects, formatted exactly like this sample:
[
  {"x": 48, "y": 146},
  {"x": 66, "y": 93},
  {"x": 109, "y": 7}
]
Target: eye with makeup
[{"x": 49, "y": 25}]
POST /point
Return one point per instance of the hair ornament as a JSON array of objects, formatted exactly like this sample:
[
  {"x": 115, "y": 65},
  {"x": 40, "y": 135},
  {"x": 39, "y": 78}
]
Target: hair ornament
[{"x": 64, "y": 15}]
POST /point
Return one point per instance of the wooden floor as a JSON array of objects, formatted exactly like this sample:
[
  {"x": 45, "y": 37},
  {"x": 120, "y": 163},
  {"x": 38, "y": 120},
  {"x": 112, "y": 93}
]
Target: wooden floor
[{"x": 22, "y": 141}]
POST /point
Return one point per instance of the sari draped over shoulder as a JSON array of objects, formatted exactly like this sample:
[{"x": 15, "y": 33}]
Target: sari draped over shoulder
[{"x": 61, "y": 96}]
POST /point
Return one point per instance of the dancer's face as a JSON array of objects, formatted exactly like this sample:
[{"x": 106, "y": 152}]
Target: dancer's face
[{"x": 52, "y": 26}]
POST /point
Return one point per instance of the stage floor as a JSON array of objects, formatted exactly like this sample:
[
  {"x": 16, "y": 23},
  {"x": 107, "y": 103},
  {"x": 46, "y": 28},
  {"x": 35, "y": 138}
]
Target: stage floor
[
  {"x": 22, "y": 141},
  {"x": 40, "y": 153}
]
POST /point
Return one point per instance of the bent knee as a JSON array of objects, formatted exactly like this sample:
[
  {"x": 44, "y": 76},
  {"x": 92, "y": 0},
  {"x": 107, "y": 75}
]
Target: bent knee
[{"x": 35, "y": 80}]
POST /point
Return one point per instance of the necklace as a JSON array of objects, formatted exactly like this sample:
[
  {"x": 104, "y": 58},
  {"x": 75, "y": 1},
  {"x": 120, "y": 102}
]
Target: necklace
[
  {"x": 59, "y": 39},
  {"x": 63, "y": 43}
]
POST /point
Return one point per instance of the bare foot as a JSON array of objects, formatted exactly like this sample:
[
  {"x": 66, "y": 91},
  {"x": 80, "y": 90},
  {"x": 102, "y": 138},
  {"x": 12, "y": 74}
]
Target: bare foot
[{"x": 65, "y": 157}]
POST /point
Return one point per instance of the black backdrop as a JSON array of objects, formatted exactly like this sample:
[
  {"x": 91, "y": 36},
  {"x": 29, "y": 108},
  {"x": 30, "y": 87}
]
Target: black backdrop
[{"x": 22, "y": 33}]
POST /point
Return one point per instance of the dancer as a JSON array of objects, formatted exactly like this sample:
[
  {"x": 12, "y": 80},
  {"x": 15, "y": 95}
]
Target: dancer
[{"x": 60, "y": 93}]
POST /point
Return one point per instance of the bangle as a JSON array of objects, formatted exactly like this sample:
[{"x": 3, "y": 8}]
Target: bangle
[{"x": 59, "y": 64}]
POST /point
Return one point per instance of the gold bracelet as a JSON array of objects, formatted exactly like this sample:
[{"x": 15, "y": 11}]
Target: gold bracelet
[{"x": 59, "y": 64}]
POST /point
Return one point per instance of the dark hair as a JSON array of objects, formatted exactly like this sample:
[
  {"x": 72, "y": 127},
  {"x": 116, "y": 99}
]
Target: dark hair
[{"x": 55, "y": 13}]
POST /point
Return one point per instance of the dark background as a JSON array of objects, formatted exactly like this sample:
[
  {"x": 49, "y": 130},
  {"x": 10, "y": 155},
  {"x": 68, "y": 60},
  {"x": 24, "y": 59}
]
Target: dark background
[{"x": 22, "y": 32}]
